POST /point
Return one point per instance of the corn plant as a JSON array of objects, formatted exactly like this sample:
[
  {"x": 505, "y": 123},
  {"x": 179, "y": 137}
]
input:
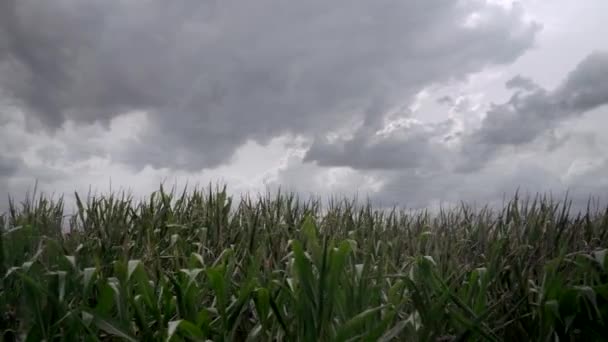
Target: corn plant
[{"x": 199, "y": 265}]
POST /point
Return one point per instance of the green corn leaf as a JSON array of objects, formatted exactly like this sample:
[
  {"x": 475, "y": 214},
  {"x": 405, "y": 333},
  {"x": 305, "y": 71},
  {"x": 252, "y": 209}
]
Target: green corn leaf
[
  {"x": 303, "y": 269},
  {"x": 111, "y": 327},
  {"x": 355, "y": 324},
  {"x": 262, "y": 303},
  {"x": 132, "y": 266},
  {"x": 393, "y": 332},
  {"x": 87, "y": 277}
]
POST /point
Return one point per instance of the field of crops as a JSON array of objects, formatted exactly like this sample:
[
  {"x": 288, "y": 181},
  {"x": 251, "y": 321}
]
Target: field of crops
[{"x": 204, "y": 266}]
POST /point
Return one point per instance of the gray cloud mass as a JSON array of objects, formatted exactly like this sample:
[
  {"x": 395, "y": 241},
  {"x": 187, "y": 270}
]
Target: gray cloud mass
[
  {"x": 340, "y": 79},
  {"x": 411, "y": 146},
  {"x": 526, "y": 116},
  {"x": 520, "y": 82},
  {"x": 213, "y": 74},
  {"x": 9, "y": 166}
]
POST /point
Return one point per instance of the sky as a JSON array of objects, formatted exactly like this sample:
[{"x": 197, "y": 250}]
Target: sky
[{"x": 420, "y": 104}]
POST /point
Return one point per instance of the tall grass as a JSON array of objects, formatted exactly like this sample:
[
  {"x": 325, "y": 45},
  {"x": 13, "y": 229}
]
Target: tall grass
[{"x": 201, "y": 265}]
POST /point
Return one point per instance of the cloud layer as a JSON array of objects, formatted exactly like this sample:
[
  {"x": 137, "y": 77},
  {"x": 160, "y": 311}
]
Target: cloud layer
[
  {"x": 314, "y": 96},
  {"x": 527, "y": 115},
  {"x": 529, "y": 142},
  {"x": 213, "y": 74}
]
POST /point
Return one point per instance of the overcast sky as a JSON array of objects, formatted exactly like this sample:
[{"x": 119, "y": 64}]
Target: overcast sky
[{"x": 416, "y": 103}]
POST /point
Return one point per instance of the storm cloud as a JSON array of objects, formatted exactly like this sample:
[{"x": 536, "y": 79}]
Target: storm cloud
[
  {"x": 213, "y": 74},
  {"x": 530, "y": 113},
  {"x": 527, "y": 116},
  {"x": 407, "y": 101}
]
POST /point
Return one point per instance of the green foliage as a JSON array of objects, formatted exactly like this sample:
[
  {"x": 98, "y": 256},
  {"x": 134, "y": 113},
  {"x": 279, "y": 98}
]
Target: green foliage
[{"x": 197, "y": 266}]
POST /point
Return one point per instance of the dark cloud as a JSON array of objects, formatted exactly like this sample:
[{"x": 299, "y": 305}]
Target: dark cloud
[
  {"x": 429, "y": 188},
  {"x": 213, "y": 74},
  {"x": 446, "y": 100},
  {"x": 9, "y": 166},
  {"x": 484, "y": 172},
  {"x": 586, "y": 87},
  {"x": 492, "y": 185},
  {"x": 525, "y": 117},
  {"x": 520, "y": 82},
  {"x": 412, "y": 145}
]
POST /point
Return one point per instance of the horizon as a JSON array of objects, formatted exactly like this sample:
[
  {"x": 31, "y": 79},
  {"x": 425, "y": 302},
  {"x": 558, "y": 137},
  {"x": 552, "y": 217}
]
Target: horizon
[{"x": 523, "y": 200}]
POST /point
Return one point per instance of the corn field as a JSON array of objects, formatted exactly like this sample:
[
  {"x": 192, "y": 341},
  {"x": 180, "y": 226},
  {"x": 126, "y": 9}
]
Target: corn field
[{"x": 200, "y": 265}]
